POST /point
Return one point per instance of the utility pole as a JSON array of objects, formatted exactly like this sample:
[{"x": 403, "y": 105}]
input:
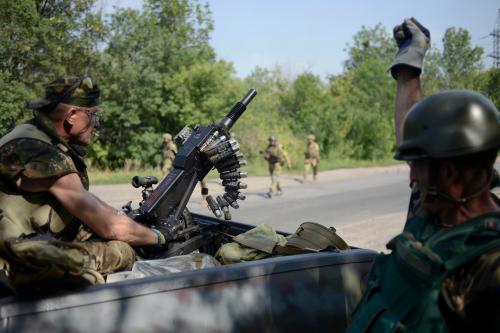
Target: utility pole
[{"x": 496, "y": 42}]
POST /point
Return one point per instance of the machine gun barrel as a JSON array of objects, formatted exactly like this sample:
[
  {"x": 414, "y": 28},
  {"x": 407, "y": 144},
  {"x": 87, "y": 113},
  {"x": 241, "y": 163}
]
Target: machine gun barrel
[
  {"x": 191, "y": 164},
  {"x": 238, "y": 110}
]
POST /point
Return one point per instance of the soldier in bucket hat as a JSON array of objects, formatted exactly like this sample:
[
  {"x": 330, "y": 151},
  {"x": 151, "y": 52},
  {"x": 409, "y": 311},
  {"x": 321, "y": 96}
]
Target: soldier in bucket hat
[{"x": 52, "y": 228}]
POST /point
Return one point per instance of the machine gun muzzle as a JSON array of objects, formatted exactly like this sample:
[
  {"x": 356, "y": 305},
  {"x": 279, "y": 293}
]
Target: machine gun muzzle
[{"x": 238, "y": 110}]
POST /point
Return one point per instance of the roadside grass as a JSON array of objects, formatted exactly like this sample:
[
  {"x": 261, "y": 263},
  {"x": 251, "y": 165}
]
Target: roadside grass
[{"x": 256, "y": 168}]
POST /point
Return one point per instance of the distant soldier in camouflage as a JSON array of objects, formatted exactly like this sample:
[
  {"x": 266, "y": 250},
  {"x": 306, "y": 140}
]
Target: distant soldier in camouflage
[
  {"x": 275, "y": 156},
  {"x": 311, "y": 157},
  {"x": 169, "y": 152},
  {"x": 53, "y": 232}
]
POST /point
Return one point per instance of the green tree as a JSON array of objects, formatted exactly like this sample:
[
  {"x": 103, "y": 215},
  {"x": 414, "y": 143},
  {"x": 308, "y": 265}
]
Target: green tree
[
  {"x": 487, "y": 83},
  {"x": 364, "y": 97},
  {"x": 161, "y": 74},
  {"x": 13, "y": 95},
  {"x": 264, "y": 116},
  {"x": 308, "y": 106},
  {"x": 369, "y": 43},
  {"x": 40, "y": 40},
  {"x": 460, "y": 61}
]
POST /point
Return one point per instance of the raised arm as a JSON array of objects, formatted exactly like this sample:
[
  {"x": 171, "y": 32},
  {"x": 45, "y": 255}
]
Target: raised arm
[
  {"x": 408, "y": 93},
  {"x": 413, "y": 41}
]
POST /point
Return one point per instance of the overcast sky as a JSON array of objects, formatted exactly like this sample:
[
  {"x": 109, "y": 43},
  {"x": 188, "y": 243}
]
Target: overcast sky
[{"x": 312, "y": 35}]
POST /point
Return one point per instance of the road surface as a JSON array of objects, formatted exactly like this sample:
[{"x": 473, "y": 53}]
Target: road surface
[{"x": 367, "y": 206}]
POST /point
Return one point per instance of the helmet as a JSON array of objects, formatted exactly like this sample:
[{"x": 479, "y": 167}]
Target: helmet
[
  {"x": 311, "y": 137},
  {"x": 449, "y": 124},
  {"x": 272, "y": 138},
  {"x": 167, "y": 137}
]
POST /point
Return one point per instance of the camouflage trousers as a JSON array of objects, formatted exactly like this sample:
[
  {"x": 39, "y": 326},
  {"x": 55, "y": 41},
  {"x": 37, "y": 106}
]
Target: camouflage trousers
[
  {"x": 42, "y": 265},
  {"x": 275, "y": 172},
  {"x": 308, "y": 164},
  {"x": 167, "y": 165}
]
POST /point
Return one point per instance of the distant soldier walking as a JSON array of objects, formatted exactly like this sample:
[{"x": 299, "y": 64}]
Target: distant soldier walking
[
  {"x": 311, "y": 157},
  {"x": 275, "y": 157},
  {"x": 169, "y": 152}
]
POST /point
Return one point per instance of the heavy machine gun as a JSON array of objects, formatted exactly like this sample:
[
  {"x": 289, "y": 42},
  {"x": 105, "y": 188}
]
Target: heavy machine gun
[{"x": 203, "y": 148}]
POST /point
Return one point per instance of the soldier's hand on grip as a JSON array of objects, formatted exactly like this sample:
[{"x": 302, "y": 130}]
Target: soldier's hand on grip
[{"x": 413, "y": 40}]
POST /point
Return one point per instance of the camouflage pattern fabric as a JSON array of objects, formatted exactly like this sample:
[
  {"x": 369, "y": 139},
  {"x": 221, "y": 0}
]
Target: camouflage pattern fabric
[
  {"x": 44, "y": 265},
  {"x": 470, "y": 295},
  {"x": 34, "y": 150},
  {"x": 169, "y": 152},
  {"x": 254, "y": 244},
  {"x": 79, "y": 91},
  {"x": 275, "y": 172},
  {"x": 312, "y": 157},
  {"x": 274, "y": 157}
]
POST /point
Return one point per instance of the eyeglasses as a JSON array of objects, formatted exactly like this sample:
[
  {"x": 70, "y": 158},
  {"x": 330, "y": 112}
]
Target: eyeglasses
[{"x": 93, "y": 115}]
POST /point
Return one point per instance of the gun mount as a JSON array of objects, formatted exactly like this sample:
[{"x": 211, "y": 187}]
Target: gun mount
[{"x": 203, "y": 148}]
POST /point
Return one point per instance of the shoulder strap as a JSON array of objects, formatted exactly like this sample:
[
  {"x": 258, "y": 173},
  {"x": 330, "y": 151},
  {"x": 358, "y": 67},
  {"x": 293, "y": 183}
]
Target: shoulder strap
[
  {"x": 29, "y": 130},
  {"x": 448, "y": 248},
  {"x": 25, "y": 131},
  {"x": 482, "y": 236}
]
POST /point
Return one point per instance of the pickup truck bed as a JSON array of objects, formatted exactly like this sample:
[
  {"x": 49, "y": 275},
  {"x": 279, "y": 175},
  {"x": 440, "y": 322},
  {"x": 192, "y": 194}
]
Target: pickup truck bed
[{"x": 299, "y": 293}]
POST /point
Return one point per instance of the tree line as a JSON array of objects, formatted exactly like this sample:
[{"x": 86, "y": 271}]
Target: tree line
[{"x": 158, "y": 72}]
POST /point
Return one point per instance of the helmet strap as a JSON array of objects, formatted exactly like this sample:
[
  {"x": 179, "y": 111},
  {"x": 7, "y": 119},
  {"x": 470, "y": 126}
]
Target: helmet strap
[{"x": 432, "y": 192}]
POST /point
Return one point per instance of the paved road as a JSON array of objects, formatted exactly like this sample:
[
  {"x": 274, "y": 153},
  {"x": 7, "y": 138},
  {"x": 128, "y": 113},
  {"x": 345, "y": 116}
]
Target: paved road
[{"x": 366, "y": 205}]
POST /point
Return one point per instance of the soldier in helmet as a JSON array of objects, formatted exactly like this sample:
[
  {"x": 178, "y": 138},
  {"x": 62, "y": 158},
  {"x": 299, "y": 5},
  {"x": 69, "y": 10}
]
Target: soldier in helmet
[
  {"x": 443, "y": 271},
  {"x": 169, "y": 152},
  {"x": 53, "y": 231},
  {"x": 311, "y": 157},
  {"x": 275, "y": 156}
]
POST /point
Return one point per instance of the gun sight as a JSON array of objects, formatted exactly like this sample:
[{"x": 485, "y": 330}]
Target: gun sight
[{"x": 147, "y": 181}]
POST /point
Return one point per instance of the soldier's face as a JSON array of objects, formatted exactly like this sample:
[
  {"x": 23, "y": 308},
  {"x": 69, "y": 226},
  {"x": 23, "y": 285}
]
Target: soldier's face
[
  {"x": 419, "y": 176},
  {"x": 86, "y": 122}
]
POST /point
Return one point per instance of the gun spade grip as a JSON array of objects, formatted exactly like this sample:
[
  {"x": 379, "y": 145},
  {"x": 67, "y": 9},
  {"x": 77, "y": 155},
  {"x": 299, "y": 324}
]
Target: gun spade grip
[{"x": 238, "y": 110}]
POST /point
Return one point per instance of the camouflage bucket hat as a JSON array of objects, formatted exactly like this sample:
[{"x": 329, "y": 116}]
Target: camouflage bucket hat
[
  {"x": 167, "y": 136},
  {"x": 311, "y": 137},
  {"x": 80, "y": 91}
]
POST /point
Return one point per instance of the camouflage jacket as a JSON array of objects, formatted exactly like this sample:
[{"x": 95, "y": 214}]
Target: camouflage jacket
[
  {"x": 169, "y": 151},
  {"x": 274, "y": 154},
  {"x": 436, "y": 278},
  {"x": 34, "y": 150},
  {"x": 312, "y": 151},
  {"x": 469, "y": 297}
]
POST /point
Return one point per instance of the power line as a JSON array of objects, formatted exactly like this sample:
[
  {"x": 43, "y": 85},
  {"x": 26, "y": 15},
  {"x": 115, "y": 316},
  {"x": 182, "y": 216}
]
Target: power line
[{"x": 496, "y": 42}]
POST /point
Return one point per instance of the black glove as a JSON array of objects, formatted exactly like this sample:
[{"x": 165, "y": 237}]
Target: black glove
[{"x": 413, "y": 40}]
